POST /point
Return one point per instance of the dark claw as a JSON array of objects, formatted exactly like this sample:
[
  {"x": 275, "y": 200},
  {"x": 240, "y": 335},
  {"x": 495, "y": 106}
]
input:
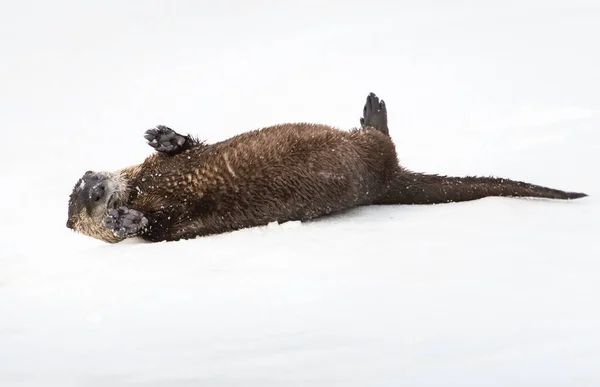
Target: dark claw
[
  {"x": 150, "y": 135},
  {"x": 125, "y": 222}
]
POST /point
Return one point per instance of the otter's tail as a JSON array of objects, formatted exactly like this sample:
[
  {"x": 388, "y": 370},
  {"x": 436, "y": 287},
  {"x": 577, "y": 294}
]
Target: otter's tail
[{"x": 417, "y": 188}]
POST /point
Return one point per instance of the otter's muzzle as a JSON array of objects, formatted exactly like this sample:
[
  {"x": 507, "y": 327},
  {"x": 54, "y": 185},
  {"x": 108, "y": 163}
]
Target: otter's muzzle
[
  {"x": 89, "y": 193},
  {"x": 97, "y": 192},
  {"x": 94, "y": 186}
]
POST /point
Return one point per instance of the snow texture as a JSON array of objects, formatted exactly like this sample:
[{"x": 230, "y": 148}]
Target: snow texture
[{"x": 495, "y": 292}]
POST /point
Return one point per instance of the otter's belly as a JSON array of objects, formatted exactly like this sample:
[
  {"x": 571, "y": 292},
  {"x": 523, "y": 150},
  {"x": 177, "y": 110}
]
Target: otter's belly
[
  {"x": 297, "y": 191},
  {"x": 255, "y": 180}
]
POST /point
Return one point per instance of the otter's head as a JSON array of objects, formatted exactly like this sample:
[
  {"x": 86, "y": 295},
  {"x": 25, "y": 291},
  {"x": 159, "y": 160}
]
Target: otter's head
[{"x": 94, "y": 194}]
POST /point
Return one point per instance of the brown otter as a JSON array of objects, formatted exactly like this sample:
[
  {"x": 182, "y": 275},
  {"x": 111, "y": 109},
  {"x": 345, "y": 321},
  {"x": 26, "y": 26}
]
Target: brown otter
[{"x": 280, "y": 173}]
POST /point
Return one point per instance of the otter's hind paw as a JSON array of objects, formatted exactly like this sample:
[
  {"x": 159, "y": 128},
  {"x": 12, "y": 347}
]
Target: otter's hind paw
[
  {"x": 375, "y": 114},
  {"x": 165, "y": 139},
  {"x": 125, "y": 222}
]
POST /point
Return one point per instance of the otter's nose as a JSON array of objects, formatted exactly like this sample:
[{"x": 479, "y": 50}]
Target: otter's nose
[{"x": 97, "y": 192}]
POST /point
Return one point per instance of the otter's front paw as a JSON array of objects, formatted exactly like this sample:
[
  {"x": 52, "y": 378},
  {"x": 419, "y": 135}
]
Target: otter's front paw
[
  {"x": 165, "y": 140},
  {"x": 125, "y": 222}
]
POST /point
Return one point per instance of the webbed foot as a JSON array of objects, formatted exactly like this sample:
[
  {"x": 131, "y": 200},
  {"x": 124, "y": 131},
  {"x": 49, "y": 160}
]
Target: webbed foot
[
  {"x": 166, "y": 140},
  {"x": 375, "y": 114},
  {"x": 125, "y": 222}
]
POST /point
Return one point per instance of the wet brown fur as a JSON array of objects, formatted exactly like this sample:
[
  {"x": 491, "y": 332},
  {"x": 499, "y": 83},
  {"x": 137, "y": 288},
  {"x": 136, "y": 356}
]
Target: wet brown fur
[{"x": 282, "y": 173}]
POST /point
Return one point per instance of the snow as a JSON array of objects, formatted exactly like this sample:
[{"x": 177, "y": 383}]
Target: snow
[{"x": 493, "y": 292}]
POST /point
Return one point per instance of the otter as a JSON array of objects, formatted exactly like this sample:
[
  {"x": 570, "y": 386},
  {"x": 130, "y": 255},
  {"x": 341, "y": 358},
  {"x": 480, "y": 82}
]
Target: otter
[{"x": 287, "y": 172}]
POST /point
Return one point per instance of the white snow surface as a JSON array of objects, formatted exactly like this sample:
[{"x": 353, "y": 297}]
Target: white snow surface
[{"x": 494, "y": 292}]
